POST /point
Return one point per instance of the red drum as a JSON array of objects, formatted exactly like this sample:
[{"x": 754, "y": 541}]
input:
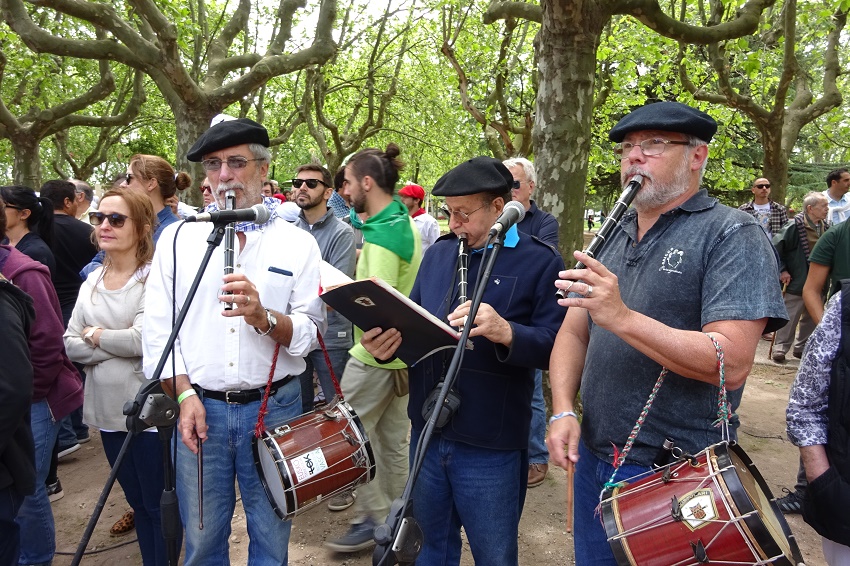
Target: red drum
[
  {"x": 714, "y": 509},
  {"x": 314, "y": 456}
]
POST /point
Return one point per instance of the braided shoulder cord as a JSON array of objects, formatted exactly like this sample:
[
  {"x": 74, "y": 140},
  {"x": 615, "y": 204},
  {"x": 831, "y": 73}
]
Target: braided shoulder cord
[
  {"x": 260, "y": 428},
  {"x": 722, "y": 413}
]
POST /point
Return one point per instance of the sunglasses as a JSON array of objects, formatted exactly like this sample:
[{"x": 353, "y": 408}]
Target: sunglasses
[
  {"x": 516, "y": 184},
  {"x": 115, "y": 220},
  {"x": 206, "y": 188},
  {"x": 234, "y": 162},
  {"x": 13, "y": 207},
  {"x": 311, "y": 183},
  {"x": 128, "y": 178},
  {"x": 763, "y": 186}
]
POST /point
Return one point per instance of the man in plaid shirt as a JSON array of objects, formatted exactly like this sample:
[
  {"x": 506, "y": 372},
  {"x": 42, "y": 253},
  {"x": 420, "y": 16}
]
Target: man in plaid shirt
[{"x": 771, "y": 215}]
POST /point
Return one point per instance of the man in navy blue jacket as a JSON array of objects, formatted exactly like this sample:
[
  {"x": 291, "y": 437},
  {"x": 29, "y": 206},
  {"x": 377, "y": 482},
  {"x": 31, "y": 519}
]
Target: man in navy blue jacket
[{"x": 475, "y": 470}]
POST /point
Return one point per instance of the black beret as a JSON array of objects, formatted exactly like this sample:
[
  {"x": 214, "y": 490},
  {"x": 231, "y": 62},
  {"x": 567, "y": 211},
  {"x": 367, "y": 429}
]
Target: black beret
[
  {"x": 478, "y": 175},
  {"x": 668, "y": 117},
  {"x": 228, "y": 134}
]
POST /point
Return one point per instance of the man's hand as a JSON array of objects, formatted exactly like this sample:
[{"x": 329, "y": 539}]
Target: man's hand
[
  {"x": 785, "y": 278},
  {"x": 600, "y": 288},
  {"x": 562, "y": 441},
  {"x": 381, "y": 344},
  {"x": 487, "y": 323},
  {"x": 245, "y": 300}
]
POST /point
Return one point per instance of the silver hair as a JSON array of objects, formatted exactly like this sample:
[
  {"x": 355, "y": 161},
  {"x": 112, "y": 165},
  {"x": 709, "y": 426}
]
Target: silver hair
[
  {"x": 260, "y": 152},
  {"x": 813, "y": 198},
  {"x": 527, "y": 167},
  {"x": 695, "y": 142}
]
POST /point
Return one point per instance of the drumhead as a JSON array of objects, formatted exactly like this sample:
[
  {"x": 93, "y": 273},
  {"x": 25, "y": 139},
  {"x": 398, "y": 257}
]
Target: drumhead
[
  {"x": 750, "y": 493},
  {"x": 274, "y": 475}
]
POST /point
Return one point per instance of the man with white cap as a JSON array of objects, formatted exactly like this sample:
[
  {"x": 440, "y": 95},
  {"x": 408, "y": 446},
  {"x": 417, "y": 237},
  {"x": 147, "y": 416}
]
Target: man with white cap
[{"x": 224, "y": 359}]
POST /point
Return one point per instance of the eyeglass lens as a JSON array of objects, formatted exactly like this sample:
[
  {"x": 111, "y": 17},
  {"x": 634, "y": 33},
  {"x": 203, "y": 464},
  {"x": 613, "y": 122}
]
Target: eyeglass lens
[
  {"x": 115, "y": 220},
  {"x": 311, "y": 183},
  {"x": 234, "y": 162},
  {"x": 763, "y": 186}
]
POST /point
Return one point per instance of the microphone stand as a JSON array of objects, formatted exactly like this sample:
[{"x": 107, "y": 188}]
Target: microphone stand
[
  {"x": 399, "y": 540},
  {"x": 153, "y": 407}
]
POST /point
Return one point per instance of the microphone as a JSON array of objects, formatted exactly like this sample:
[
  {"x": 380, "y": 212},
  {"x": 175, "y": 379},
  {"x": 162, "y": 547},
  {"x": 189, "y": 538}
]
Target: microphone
[
  {"x": 513, "y": 213},
  {"x": 258, "y": 214}
]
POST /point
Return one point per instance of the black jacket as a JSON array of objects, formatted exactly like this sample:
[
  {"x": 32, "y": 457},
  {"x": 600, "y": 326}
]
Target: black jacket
[{"x": 17, "y": 454}]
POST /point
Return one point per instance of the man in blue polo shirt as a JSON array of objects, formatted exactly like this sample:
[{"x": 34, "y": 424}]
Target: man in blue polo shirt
[{"x": 680, "y": 271}]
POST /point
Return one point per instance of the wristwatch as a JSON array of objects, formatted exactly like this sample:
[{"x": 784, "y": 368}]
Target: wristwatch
[
  {"x": 272, "y": 320},
  {"x": 88, "y": 338}
]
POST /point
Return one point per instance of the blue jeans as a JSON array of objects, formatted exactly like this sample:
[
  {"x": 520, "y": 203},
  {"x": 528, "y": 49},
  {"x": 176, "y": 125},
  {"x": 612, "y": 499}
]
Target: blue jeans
[
  {"x": 316, "y": 360},
  {"x": 479, "y": 489},
  {"x": 228, "y": 456},
  {"x": 35, "y": 517},
  {"x": 142, "y": 477},
  {"x": 537, "y": 451},
  {"x": 591, "y": 542},
  {"x": 10, "y": 503}
]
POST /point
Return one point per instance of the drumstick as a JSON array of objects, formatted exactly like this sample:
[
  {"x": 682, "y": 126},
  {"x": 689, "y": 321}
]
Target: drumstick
[
  {"x": 200, "y": 485},
  {"x": 570, "y": 472}
]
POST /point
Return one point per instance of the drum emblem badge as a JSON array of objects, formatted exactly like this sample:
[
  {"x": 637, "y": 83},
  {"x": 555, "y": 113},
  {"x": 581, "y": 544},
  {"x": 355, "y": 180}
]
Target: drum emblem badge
[{"x": 698, "y": 508}]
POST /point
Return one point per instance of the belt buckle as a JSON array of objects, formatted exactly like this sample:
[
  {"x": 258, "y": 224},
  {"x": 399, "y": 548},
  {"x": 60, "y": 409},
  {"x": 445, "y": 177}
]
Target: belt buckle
[{"x": 227, "y": 397}]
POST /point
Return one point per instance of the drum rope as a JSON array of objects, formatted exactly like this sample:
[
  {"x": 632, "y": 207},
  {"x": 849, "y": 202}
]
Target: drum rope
[
  {"x": 260, "y": 429},
  {"x": 722, "y": 416}
]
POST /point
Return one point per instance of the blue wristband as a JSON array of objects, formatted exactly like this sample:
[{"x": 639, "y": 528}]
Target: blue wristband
[{"x": 562, "y": 415}]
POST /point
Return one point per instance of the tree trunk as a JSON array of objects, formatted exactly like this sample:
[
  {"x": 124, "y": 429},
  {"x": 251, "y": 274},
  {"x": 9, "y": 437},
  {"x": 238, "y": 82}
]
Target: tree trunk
[
  {"x": 191, "y": 123},
  {"x": 566, "y": 48},
  {"x": 27, "y": 167},
  {"x": 775, "y": 164}
]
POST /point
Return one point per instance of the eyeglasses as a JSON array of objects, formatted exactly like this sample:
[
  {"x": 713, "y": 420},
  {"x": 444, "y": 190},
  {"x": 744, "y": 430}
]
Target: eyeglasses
[
  {"x": 115, "y": 220},
  {"x": 311, "y": 183},
  {"x": 234, "y": 162},
  {"x": 462, "y": 217},
  {"x": 763, "y": 186},
  {"x": 13, "y": 207},
  {"x": 516, "y": 184},
  {"x": 205, "y": 188},
  {"x": 128, "y": 178},
  {"x": 652, "y": 146}
]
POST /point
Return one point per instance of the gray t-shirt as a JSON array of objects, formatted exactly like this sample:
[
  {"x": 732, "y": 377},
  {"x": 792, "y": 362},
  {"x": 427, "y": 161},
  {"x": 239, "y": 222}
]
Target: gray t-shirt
[{"x": 700, "y": 263}]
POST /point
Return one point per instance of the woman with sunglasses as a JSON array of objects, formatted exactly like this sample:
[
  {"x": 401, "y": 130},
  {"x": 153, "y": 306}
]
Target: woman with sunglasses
[
  {"x": 29, "y": 223},
  {"x": 154, "y": 177},
  {"x": 105, "y": 334}
]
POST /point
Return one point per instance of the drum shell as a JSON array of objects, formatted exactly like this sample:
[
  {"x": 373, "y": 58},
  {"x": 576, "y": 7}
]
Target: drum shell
[
  {"x": 642, "y": 531},
  {"x": 329, "y": 431}
]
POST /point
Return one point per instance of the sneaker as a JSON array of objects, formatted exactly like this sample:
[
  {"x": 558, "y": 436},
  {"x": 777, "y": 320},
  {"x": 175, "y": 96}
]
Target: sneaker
[
  {"x": 791, "y": 503},
  {"x": 342, "y": 501},
  {"x": 64, "y": 451},
  {"x": 359, "y": 537},
  {"x": 536, "y": 474},
  {"x": 779, "y": 357},
  {"x": 83, "y": 438},
  {"x": 54, "y": 491}
]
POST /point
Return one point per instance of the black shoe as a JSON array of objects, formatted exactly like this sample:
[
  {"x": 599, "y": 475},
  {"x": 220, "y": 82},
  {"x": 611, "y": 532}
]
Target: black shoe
[
  {"x": 54, "y": 491},
  {"x": 798, "y": 355},
  {"x": 65, "y": 450},
  {"x": 360, "y": 536},
  {"x": 791, "y": 503}
]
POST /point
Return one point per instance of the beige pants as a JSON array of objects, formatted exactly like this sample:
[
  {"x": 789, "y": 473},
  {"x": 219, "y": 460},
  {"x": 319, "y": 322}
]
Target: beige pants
[{"x": 369, "y": 391}]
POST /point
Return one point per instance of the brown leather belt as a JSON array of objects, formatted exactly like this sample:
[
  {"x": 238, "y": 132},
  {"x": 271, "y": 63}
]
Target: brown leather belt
[{"x": 246, "y": 396}]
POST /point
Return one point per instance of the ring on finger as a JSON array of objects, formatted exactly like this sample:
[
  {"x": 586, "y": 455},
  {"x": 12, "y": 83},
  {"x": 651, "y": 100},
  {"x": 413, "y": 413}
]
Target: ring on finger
[
  {"x": 589, "y": 291},
  {"x": 247, "y": 299}
]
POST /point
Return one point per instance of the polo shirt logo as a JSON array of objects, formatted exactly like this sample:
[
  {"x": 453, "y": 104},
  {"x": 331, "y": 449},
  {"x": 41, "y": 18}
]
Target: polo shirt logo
[{"x": 672, "y": 261}]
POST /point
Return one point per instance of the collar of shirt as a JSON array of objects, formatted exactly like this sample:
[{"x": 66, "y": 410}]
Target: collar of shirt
[
  {"x": 271, "y": 205},
  {"x": 511, "y": 240}
]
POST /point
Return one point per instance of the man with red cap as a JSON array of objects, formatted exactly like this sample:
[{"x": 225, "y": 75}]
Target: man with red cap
[{"x": 412, "y": 196}]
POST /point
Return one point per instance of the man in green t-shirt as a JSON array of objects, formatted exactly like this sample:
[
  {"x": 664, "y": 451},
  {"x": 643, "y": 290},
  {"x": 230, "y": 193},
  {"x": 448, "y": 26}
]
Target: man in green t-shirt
[
  {"x": 377, "y": 391},
  {"x": 830, "y": 258}
]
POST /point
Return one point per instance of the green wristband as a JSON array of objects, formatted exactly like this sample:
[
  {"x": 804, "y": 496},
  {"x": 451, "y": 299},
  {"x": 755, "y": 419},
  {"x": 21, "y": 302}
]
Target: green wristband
[{"x": 186, "y": 394}]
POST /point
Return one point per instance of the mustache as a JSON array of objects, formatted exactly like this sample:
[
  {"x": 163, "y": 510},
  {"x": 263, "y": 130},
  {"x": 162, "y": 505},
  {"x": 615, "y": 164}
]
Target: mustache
[
  {"x": 635, "y": 170},
  {"x": 233, "y": 185}
]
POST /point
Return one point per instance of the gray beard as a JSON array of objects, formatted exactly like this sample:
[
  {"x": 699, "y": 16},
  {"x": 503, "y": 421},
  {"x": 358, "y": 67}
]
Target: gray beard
[{"x": 659, "y": 192}]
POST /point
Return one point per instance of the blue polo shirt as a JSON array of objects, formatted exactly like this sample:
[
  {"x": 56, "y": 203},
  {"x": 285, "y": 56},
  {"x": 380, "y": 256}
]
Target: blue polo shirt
[{"x": 699, "y": 263}]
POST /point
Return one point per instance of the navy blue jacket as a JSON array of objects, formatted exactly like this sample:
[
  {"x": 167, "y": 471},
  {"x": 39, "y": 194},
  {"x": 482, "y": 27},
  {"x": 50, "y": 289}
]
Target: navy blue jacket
[{"x": 495, "y": 383}]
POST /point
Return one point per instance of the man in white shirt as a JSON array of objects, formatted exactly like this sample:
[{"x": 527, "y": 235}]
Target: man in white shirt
[
  {"x": 412, "y": 196},
  {"x": 838, "y": 183},
  {"x": 224, "y": 359}
]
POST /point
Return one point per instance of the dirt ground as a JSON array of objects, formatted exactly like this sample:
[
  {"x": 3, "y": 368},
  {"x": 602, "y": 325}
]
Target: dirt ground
[{"x": 543, "y": 536}]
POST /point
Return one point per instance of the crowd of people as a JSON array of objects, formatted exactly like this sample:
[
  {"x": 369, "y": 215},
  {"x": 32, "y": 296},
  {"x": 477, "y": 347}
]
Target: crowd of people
[{"x": 88, "y": 305}]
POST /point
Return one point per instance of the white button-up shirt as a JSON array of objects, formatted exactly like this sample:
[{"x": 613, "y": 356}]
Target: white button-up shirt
[
  {"x": 839, "y": 210},
  {"x": 224, "y": 353}
]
